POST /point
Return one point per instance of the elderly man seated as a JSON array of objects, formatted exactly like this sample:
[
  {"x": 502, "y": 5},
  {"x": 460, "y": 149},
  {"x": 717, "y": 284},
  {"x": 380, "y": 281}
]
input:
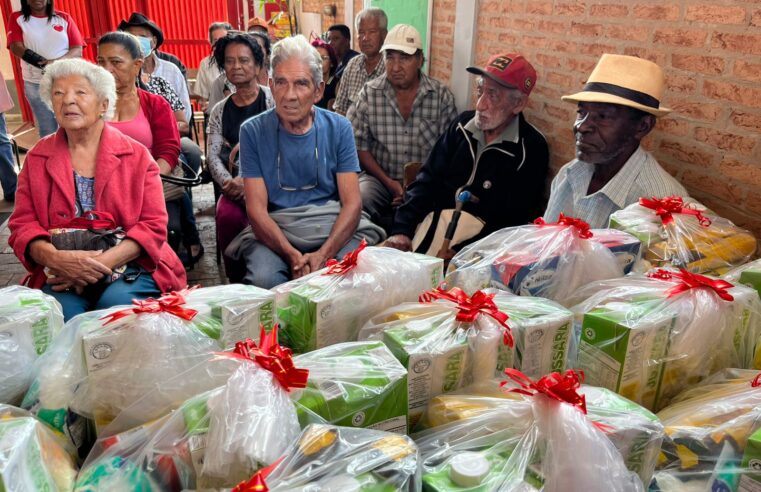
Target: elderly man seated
[
  {"x": 616, "y": 110},
  {"x": 298, "y": 161},
  {"x": 493, "y": 153},
  {"x": 397, "y": 119}
]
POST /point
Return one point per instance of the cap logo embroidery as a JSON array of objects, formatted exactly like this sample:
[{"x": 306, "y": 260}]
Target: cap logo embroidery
[
  {"x": 410, "y": 40},
  {"x": 527, "y": 83},
  {"x": 501, "y": 62}
]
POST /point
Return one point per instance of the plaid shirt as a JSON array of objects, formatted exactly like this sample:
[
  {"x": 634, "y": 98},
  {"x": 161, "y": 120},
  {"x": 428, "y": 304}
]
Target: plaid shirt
[
  {"x": 641, "y": 176},
  {"x": 353, "y": 78},
  {"x": 380, "y": 129}
]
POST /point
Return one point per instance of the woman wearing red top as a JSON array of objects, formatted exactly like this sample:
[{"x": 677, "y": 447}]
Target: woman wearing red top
[{"x": 88, "y": 166}]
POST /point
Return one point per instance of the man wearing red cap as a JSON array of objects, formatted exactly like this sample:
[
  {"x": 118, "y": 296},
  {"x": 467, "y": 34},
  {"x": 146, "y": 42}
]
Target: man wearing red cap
[{"x": 492, "y": 152}]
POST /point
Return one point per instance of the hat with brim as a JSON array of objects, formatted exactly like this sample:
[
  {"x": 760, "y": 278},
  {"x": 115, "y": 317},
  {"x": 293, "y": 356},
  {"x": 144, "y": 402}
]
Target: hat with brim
[
  {"x": 404, "y": 38},
  {"x": 626, "y": 81},
  {"x": 139, "y": 20}
]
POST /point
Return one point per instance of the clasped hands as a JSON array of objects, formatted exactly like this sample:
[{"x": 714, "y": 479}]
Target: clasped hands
[{"x": 75, "y": 270}]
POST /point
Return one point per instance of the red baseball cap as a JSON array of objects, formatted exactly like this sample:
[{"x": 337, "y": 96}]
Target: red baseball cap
[{"x": 510, "y": 70}]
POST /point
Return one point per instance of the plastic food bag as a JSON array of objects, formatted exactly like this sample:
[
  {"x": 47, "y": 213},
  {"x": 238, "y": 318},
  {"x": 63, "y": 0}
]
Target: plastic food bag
[
  {"x": 215, "y": 439},
  {"x": 542, "y": 260},
  {"x": 713, "y": 436},
  {"x": 650, "y": 337},
  {"x": 748, "y": 274},
  {"x": 330, "y": 306},
  {"x": 32, "y": 457},
  {"x": 540, "y": 440},
  {"x": 29, "y": 320},
  {"x": 327, "y": 458},
  {"x": 685, "y": 235}
]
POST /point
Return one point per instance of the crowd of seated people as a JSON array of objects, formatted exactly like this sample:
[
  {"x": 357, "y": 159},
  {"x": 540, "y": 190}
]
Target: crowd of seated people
[{"x": 311, "y": 147}]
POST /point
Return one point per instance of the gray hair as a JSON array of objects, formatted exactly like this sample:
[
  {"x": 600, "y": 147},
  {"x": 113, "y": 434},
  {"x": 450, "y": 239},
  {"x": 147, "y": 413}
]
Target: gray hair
[
  {"x": 101, "y": 81},
  {"x": 214, "y": 26},
  {"x": 372, "y": 12},
  {"x": 297, "y": 47}
]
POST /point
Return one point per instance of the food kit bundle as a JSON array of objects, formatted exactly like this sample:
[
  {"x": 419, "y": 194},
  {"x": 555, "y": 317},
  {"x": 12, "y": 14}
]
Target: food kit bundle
[
  {"x": 331, "y": 305},
  {"x": 680, "y": 234},
  {"x": 449, "y": 340},
  {"x": 29, "y": 320},
  {"x": 648, "y": 337},
  {"x": 543, "y": 260},
  {"x": 552, "y": 435}
]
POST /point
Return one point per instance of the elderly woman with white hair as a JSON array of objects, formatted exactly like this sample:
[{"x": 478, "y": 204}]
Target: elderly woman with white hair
[{"x": 90, "y": 223}]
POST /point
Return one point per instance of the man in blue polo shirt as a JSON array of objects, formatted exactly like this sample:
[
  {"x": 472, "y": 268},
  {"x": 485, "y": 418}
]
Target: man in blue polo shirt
[{"x": 298, "y": 162}]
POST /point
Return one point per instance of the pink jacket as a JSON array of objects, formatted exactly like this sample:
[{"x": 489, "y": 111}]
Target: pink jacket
[{"x": 127, "y": 185}]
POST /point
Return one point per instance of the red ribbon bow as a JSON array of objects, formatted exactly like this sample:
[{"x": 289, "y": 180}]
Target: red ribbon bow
[
  {"x": 688, "y": 280},
  {"x": 756, "y": 381},
  {"x": 257, "y": 483},
  {"x": 348, "y": 262},
  {"x": 560, "y": 387},
  {"x": 168, "y": 303},
  {"x": 469, "y": 308},
  {"x": 91, "y": 220},
  {"x": 665, "y": 207},
  {"x": 582, "y": 227},
  {"x": 272, "y": 357}
]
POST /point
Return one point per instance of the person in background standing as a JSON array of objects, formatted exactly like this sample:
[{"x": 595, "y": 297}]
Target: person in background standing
[
  {"x": 339, "y": 37},
  {"x": 7, "y": 168},
  {"x": 208, "y": 70},
  {"x": 39, "y": 35},
  {"x": 329, "y": 63}
]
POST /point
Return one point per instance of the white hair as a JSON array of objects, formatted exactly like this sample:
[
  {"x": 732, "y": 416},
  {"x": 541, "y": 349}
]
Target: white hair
[
  {"x": 99, "y": 78},
  {"x": 372, "y": 12},
  {"x": 298, "y": 47}
]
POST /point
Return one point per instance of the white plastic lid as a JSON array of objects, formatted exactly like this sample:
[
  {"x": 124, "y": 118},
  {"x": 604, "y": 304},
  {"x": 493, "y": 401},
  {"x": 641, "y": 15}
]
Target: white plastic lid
[
  {"x": 468, "y": 469},
  {"x": 341, "y": 483}
]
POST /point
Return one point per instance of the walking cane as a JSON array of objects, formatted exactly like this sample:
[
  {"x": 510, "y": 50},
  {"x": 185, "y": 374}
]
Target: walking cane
[{"x": 463, "y": 196}]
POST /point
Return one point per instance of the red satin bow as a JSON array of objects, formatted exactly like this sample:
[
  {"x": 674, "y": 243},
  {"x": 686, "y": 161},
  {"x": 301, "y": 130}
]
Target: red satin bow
[
  {"x": 688, "y": 280},
  {"x": 257, "y": 483},
  {"x": 756, "y": 381},
  {"x": 100, "y": 220},
  {"x": 560, "y": 387},
  {"x": 348, "y": 262},
  {"x": 665, "y": 207},
  {"x": 168, "y": 303},
  {"x": 582, "y": 227},
  {"x": 272, "y": 357},
  {"x": 469, "y": 308}
]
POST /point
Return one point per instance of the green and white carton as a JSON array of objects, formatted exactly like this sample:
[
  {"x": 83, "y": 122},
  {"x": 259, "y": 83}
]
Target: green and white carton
[
  {"x": 750, "y": 481},
  {"x": 323, "y": 309},
  {"x": 623, "y": 348},
  {"x": 752, "y": 278},
  {"x": 353, "y": 384}
]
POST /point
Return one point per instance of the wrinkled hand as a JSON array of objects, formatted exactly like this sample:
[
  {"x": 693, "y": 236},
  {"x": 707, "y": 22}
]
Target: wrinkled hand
[
  {"x": 399, "y": 241},
  {"x": 233, "y": 189},
  {"x": 397, "y": 192},
  {"x": 299, "y": 265},
  {"x": 78, "y": 268},
  {"x": 316, "y": 260},
  {"x": 59, "y": 284}
]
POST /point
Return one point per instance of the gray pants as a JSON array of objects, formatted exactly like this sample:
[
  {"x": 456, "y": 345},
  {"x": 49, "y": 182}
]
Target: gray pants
[{"x": 376, "y": 199}]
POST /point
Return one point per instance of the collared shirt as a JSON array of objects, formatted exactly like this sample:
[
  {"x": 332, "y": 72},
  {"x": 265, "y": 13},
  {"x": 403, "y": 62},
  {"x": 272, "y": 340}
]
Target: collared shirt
[
  {"x": 169, "y": 72},
  {"x": 511, "y": 133},
  {"x": 208, "y": 71},
  {"x": 641, "y": 176},
  {"x": 380, "y": 129},
  {"x": 344, "y": 61},
  {"x": 353, "y": 79}
]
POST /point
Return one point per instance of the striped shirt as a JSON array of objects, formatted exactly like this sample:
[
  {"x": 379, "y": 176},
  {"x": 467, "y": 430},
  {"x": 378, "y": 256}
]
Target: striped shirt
[
  {"x": 641, "y": 176},
  {"x": 353, "y": 79},
  {"x": 393, "y": 141}
]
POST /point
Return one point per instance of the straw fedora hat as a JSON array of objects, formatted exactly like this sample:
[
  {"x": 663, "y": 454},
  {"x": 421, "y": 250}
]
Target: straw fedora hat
[{"x": 625, "y": 80}]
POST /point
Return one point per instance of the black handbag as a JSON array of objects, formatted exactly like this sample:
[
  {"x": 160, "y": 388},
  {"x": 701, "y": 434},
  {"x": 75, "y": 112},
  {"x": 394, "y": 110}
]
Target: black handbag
[{"x": 93, "y": 231}]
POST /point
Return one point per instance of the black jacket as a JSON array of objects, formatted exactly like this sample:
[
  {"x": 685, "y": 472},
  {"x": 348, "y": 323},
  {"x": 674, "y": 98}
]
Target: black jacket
[{"x": 509, "y": 181}]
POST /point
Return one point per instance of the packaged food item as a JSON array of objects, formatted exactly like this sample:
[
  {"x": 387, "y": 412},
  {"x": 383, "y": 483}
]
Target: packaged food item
[
  {"x": 444, "y": 345},
  {"x": 542, "y": 260},
  {"x": 32, "y": 457},
  {"x": 540, "y": 439},
  {"x": 648, "y": 337},
  {"x": 330, "y": 458},
  {"x": 330, "y": 306},
  {"x": 713, "y": 432},
  {"x": 682, "y": 233},
  {"x": 215, "y": 439},
  {"x": 29, "y": 320},
  {"x": 747, "y": 274}
]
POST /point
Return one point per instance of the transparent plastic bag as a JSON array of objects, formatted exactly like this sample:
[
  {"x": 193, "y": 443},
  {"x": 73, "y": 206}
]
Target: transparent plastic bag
[
  {"x": 215, "y": 439},
  {"x": 327, "y": 458},
  {"x": 748, "y": 274},
  {"x": 522, "y": 442},
  {"x": 29, "y": 320},
  {"x": 650, "y": 337},
  {"x": 682, "y": 233},
  {"x": 713, "y": 436},
  {"x": 32, "y": 457},
  {"x": 542, "y": 260},
  {"x": 331, "y": 305}
]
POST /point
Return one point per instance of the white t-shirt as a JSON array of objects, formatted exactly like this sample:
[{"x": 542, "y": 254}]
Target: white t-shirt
[
  {"x": 169, "y": 72},
  {"x": 51, "y": 39}
]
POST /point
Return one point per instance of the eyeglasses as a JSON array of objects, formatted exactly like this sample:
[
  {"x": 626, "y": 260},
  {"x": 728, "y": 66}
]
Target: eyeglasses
[{"x": 316, "y": 164}]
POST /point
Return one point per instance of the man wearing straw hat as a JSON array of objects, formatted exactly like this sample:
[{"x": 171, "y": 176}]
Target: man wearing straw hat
[{"x": 617, "y": 108}]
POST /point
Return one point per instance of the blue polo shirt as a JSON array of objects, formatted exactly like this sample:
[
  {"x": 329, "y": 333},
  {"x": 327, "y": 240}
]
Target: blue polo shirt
[{"x": 298, "y": 169}]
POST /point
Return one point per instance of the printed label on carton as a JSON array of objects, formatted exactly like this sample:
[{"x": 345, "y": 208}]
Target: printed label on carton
[{"x": 101, "y": 349}]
